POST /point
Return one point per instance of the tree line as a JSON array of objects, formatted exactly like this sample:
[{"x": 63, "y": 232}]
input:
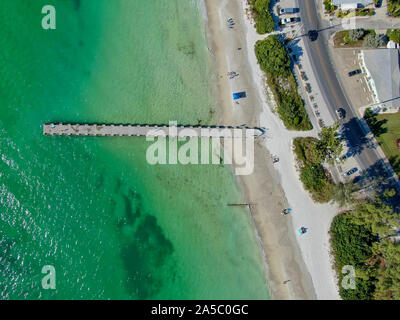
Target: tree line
[
  {"x": 365, "y": 237},
  {"x": 261, "y": 9},
  {"x": 274, "y": 60}
]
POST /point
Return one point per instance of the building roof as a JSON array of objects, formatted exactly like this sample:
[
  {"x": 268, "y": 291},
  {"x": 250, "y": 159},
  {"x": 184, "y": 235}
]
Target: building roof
[
  {"x": 383, "y": 66},
  {"x": 351, "y": 4}
]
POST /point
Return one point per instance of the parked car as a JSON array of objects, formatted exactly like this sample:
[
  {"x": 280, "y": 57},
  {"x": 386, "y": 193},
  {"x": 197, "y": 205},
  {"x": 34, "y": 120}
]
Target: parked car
[
  {"x": 353, "y": 73},
  {"x": 341, "y": 113},
  {"x": 289, "y": 10},
  {"x": 308, "y": 87},
  {"x": 349, "y": 154},
  {"x": 350, "y": 172},
  {"x": 288, "y": 20}
]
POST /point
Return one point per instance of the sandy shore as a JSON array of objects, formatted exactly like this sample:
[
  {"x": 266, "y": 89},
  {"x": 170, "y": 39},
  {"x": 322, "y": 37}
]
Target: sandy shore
[{"x": 304, "y": 260}]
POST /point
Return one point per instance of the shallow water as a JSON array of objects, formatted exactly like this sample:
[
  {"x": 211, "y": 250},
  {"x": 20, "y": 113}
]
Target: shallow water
[{"x": 112, "y": 225}]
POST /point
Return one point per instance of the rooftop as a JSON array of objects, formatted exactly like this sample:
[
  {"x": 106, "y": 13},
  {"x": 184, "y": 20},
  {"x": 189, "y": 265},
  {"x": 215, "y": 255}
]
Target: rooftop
[
  {"x": 351, "y": 4},
  {"x": 383, "y": 66}
]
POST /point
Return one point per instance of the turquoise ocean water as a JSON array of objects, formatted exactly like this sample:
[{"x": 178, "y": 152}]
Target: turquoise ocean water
[{"x": 113, "y": 226}]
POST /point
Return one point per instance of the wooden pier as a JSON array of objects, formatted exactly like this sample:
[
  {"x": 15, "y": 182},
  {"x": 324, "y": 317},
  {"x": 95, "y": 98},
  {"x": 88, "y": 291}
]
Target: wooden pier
[{"x": 104, "y": 130}]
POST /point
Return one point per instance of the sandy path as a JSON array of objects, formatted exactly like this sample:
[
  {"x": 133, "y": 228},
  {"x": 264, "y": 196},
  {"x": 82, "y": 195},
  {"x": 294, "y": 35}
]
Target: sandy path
[{"x": 269, "y": 188}]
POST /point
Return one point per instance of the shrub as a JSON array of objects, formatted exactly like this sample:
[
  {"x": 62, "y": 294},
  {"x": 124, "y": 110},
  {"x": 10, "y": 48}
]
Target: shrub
[
  {"x": 329, "y": 7},
  {"x": 273, "y": 57},
  {"x": 375, "y": 41},
  {"x": 394, "y": 34},
  {"x": 312, "y": 173},
  {"x": 356, "y": 34},
  {"x": 275, "y": 62},
  {"x": 394, "y": 8},
  {"x": 365, "y": 12},
  {"x": 262, "y": 16},
  {"x": 352, "y": 245},
  {"x": 315, "y": 180}
]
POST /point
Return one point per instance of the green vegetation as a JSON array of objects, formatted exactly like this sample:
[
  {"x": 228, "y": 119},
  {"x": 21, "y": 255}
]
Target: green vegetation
[
  {"x": 329, "y": 7},
  {"x": 351, "y": 38},
  {"x": 386, "y": 129},
  {"x": 343, "y": 193},
  {"x": 394, "y": 8},
  {"x": 394, "y": 34},
  {"x": 363, "y": 238},
  {"x": 356, "y": 34},
  {"x": 352, "y": 245},
  {"x": 275, "y": 62},
  {"x": 311, "y": 154},
  {"x": 262, "y": 15},
  {"x": 365, "y": 12},
  {"x": 375, "y": 41},
  {"x": 342, "y": 14},
  {"x": 329, "y": 144}
]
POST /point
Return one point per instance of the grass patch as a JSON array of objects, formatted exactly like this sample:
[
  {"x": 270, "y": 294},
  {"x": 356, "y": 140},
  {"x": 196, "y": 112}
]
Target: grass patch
[
  {"x": 389, "y": 138},
  {"x": 394, "y": 8},
  {"x": 312, "y": 174},
  {"x": 274, "y": 60}
]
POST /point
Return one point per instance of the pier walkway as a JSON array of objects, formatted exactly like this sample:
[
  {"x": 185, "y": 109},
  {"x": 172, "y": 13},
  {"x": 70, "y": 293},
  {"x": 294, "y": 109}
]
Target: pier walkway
[{"x": 150, "y": 130}]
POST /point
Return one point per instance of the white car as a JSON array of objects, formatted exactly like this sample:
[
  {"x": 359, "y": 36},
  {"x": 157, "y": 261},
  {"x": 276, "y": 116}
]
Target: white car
[{"x": 287, "y": 20}]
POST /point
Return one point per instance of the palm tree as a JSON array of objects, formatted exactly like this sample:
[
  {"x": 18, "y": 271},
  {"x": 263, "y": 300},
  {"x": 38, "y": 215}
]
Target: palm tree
[{"x": 343, "y": 193}]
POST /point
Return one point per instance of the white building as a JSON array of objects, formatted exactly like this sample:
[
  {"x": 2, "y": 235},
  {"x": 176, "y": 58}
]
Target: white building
[
  {"x": 351, "y": 4},
  {"x": 383, "y": 76}
]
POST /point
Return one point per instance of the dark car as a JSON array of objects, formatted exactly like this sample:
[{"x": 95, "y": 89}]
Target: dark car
[
  {"x": 289, "y": 10},
  {"x": 341, "y": 113},
  {"x": 350, "y": 172},
  {"x": 353, "y": 73},
  {"x": 313, "y": 35}
]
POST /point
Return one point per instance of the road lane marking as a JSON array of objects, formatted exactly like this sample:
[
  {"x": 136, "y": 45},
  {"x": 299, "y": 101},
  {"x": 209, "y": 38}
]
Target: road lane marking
[{"x": 308, "y": 11}]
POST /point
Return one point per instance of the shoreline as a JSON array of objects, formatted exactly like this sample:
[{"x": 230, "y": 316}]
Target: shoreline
[{"x": 270, "y": 187}]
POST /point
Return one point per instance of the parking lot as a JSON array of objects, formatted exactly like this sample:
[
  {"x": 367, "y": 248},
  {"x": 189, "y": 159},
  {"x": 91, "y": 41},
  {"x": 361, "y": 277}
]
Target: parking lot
[
  {"x": 356, "y": 87},
  {"x": 286, "y": 19}
]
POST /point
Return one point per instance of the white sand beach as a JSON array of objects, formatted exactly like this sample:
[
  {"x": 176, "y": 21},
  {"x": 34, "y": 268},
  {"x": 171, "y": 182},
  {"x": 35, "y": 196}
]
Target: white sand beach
[{"x": 304, "y": 260}]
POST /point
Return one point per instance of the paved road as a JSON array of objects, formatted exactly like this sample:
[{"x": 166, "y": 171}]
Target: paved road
[{"x": 331, "y": 89}]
